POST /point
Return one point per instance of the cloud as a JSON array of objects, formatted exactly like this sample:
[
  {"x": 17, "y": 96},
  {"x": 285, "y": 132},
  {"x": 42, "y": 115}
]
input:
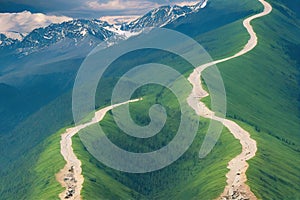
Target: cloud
[
  {"x": 129, "y": 7},
  {"x": 25, "y": 22},
  {"x": 86, "y": 8},
  {"x": 185, "y": 3},
  {"x": 119, "y": 19},
  {"x": 121, "y": 5}
]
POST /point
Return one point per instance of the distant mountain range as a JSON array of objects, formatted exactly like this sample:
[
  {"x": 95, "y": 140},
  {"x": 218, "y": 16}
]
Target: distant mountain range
[
  {"x": 162, "y": 16},
  {"x": 85, "y": 32}
]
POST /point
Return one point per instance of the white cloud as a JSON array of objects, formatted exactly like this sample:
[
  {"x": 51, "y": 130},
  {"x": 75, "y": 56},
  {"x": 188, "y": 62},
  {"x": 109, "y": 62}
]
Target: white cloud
[
  {"x": 119, "y": 19},
  {"x": 26, "y": 21},
  {"x": 121, "y": 5},
  {"x": 186, "y": 3}
]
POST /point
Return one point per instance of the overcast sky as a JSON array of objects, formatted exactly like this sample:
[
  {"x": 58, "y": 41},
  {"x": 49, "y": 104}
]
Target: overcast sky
[{"x": 25, "y": 15}]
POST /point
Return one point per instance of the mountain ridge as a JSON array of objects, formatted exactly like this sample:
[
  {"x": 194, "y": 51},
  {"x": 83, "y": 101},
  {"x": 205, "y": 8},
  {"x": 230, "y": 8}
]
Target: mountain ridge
[
  {"x": 92, "y": 31},
  {"x": 162, "y": 16}
]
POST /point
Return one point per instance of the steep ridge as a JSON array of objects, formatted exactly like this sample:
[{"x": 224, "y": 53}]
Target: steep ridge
[
  {"x": 236, "y": 177},
  {"x": 70, "y": 176}
]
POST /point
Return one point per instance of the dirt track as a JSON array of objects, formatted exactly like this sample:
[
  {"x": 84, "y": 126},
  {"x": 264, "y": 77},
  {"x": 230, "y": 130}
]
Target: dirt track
[
  {"x": 70, "y": 176},
  {"x": 236, "y": 187}
]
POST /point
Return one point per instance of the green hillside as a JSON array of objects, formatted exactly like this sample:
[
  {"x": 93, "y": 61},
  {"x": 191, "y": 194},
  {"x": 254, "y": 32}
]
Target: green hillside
[
  {"x": 186, "y": 177},
  {"x": 267, "y": 107},
  {"x": 263, "y": 91},
  {"x": 267, "y": 98}
]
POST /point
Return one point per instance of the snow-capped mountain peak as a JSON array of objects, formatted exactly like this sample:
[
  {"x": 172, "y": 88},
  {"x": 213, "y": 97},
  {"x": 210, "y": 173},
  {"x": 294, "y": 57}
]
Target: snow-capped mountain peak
[
  {"x": 14, "y": 35},
  {"x": 5, "y": 41},
  {"x": 163, "y": 15},
  {"x": 74, "y": 31},
  {"x": 89, "y": 33}
]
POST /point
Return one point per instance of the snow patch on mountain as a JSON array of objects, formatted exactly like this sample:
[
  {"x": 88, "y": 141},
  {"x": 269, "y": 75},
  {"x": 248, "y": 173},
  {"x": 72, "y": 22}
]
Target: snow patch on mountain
[
  {"x": 90, "y": 33},
  {"x": 204, "y": 4},
  {"x": 84, "y": 32},
  {"x": 14, "y": 35},
  {"x": 163, "y": 15},
  {"x": 5, "y": 41},
  {"x": 119, "y": 20}
]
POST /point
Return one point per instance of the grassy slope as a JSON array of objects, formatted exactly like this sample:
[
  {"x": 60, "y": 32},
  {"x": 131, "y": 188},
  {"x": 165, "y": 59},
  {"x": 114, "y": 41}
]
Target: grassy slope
[
  {"x": 195, "y": 187},
  {"x": 99, "y": 183},
  {"x": 271, "y": 104},
  {"x": 39, "y": 176},
  {"x": 199, "y": 182},
  {"x": 275, "y": 96},
  {"x": 267, "y": 101},
  {"x": 45, "y": 185},
  {"x": 188, "y": 177},
  {"x": 104, "y": 183},
  {"x": 220, "y": 45},
  {"x": 30, "y": 138},
  {"x": 274, "y": 172},
  {"x": 270, "y": 182}
]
